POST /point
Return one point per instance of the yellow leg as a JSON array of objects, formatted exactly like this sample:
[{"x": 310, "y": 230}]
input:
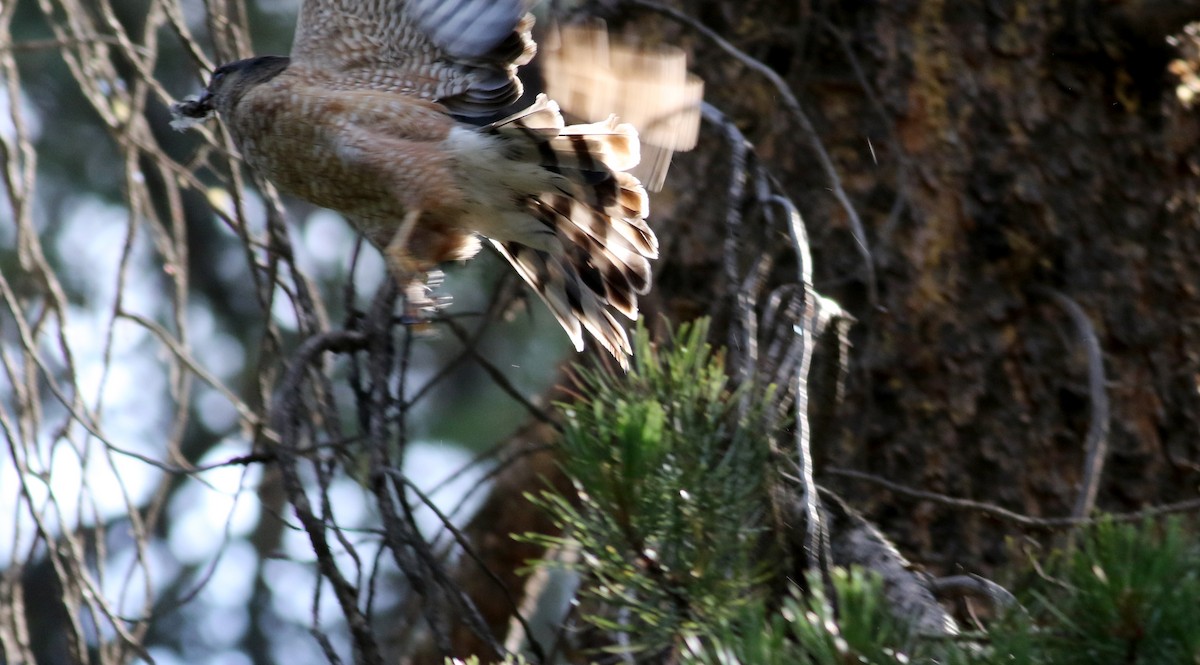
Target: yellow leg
[
  {"x": 409, "y": 272},
  {"x": 404, "y": 266}
]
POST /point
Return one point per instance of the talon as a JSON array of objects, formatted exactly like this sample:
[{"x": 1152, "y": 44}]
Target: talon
[{"x": 420, "y": 305}]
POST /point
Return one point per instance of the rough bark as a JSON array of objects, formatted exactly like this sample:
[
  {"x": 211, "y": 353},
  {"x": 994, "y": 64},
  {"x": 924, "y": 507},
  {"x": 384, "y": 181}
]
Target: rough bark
[{"x": 993, "y": 151}]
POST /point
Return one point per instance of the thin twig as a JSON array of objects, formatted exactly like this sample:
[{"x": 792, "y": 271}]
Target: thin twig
[
  {"x": 809, "y": 131},
  {"x": 400, "y": 533},
  {"x": 903, "y": 162},
  {"x": 501, "y": 380},
  {"x": 962, "y": 585},
  {"x": 1191, "y": 505},
  {"x": 284, "y": 421},
  {"x": 1098, "y": 425},
  {"x": 469, "y": 550}
]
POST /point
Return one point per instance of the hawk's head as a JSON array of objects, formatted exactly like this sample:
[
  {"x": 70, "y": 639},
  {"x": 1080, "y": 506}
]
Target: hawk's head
[{"x": 228, "y": 84}]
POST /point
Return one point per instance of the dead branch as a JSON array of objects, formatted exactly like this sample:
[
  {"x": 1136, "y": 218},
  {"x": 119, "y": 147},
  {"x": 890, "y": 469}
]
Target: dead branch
[
  {"x": 1098, "y": 425},
  {"x": 973, "y": 585},
  {"x": 1190, "y": 505},
  {"x": 499, "y": 559},
  {"x": 792, "y": 104},
  {"x": 909, "y": 594},
  {"x": 286, "y": 423}
]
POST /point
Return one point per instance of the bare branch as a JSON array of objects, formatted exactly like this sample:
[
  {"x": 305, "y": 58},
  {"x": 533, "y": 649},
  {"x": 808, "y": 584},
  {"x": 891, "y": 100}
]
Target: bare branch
[
  {"x": 806, "y": 127},
  {"x": 962, "y": 585},
  {"x": 908, "y": 592},
  {"x": 1188, "y": 506},
  {"x": 1098, "y": 425}
]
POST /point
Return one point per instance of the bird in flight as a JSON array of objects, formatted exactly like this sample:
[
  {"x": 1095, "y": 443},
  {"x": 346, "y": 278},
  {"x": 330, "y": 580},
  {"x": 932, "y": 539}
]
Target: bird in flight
[{"x": 381, "y": 112}]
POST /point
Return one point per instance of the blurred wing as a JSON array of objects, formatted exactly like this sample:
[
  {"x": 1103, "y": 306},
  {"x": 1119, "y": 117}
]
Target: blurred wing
[
  {"x": 650, "y": 89},
  {"x": 461, "y": 53}
]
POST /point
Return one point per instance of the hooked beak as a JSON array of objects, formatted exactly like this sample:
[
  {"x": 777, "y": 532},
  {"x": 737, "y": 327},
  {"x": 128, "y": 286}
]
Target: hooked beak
[
  {"x": 192, "y": 111},
  {"x": 198, "y": 108}
]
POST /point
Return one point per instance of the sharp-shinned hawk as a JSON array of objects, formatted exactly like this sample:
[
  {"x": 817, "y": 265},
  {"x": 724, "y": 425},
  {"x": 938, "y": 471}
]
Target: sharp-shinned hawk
[{"x": 380, "y": 113}]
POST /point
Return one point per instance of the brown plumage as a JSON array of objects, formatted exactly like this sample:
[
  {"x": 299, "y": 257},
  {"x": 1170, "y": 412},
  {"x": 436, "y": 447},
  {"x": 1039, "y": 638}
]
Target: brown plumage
[{"x": 378, "y": 115}]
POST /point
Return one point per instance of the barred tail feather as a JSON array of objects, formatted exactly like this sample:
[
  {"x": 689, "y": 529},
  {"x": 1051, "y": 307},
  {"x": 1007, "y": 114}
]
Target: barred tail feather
[
  {"x": 576, "y": 306},
  {"x": 601, "y": 258},
  {"x": 595, "y": 148}
]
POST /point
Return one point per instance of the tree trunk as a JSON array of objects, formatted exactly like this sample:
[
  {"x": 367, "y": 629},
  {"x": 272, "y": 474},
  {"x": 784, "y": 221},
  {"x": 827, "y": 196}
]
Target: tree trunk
[{"x": 1006, "y": 160}]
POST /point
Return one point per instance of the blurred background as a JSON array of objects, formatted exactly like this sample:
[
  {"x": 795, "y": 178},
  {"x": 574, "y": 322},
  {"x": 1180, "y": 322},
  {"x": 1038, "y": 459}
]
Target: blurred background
[{"x": 1003, "y": 198}]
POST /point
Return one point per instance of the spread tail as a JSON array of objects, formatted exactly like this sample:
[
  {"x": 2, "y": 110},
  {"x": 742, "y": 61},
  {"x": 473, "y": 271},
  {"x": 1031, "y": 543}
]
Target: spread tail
[{"x": 596, "y": 211}]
